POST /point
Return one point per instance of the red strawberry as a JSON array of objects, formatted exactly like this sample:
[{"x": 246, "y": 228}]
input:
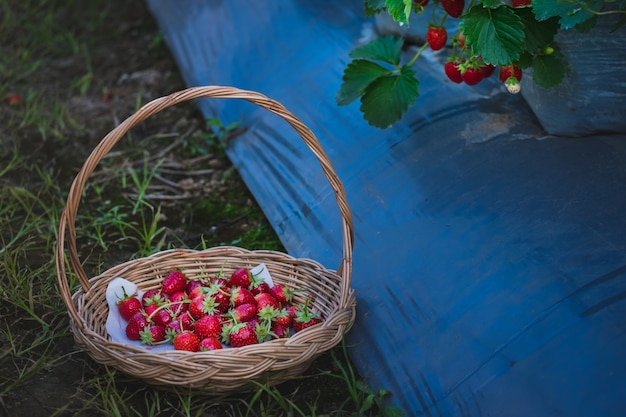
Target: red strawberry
[
  {"x": 186, "y": 341},
  {"x": 135, "y": 325},
  {"x": 305, "y": 318},
  {"x": 488, "y": 69},
  {"x": 436, "y": 36},
  {"x": 472, "y": 76},
  {"x": 283, "y": 318},
  {"x": 153, "y": 296},
  {"x": 243, "y": 312},
  {"x": 280, "y": 331},
  {"x": 283, "y": 294},
  {"x": 152, "y": 334},
  {"x": 201, "y": 306},
  {"x": 221, "y": 295},
  {"x": 453, "y": 72},
  {"x": 242, "y": 335},
  {"x": 266, "y": 299},
  {"x": 179, "y": 302},
  {"x": 128, "y": 305},
  {"x": 520, "y": 3},
  {"x": 453, "y": 7},
  {"x": 150, "y": 309},
  {"x": 207, "y": 326},
  {"x": 192, "y": 285},
  {"x": 210, "y": 343},
  {"x": 257, "y": 285},
  {"x": 240, "y": 278},
  {"x": 241, "y": 296},
  {"x": 14, "y": 100},
  {"x": 511, "y": 75},
  {"x": 173, "y": 282},
  {"x": 161, "y": 317},
  {"x": 178, "y": 325}
]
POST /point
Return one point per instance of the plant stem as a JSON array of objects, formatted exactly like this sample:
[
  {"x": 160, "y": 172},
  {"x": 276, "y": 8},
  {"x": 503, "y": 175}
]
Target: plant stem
[{"x": 418, "y": 53}]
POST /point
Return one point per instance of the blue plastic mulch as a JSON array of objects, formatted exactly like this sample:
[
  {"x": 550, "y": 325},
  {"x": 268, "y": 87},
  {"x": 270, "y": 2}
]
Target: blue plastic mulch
[{"x": 490, "y": 259}]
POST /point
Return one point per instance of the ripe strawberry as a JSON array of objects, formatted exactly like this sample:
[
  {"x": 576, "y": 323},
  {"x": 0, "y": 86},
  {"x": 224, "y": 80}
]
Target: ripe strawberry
[
  {"x": 472, "y": 76},
  {"x": 242, "y": 313},
  {"x": 192, "y": 285},
  {"x": 242, "y": 335},
  {"x": 135, "y": 325},
  {"x": 305, "y": 318},
  {"x": 511, "y": 75},
  {"x": 161, "y": 317},
  {"x": 283, "y": 294},
  {"x": 152, "y": 334},
  {"x": 280, "y": 331},
  {"x": 283, "y": 318},
  {"x": 453, "y": 72},
  {"x": 186, "y": 341},
  {"x": 178, "y": 325},
  {"x": 453, "y": 7},
  {"x": 210, "y": 343},
  {"x": 266, "y": 299},
  {"x": 242, "y": 277},
  {"x": 14, "y": 100},
  {"x": 201, "y": 306},
  {"x": 207, "y": 326},
  {"x": 151, "y": 297},
  {"x": 173, "y": 282},
  {"x": 520, "y": 3},
  {"x": 257, "y": 285},
  {"x": 488, "y": 69},
  {"x": 436, "y": 36},
  {"x": 179, "y": 302},
  {"x": 128, "y": 305},
  {"x": 240, "y": 295}
]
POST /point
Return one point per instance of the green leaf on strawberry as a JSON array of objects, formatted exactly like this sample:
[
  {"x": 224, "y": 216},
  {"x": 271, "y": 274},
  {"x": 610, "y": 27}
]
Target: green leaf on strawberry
[
  {"x": 550, "y": 70},
  {"x": 373, "y": 6},
  {"x": 495, "y": 34},
  {"x": 387, "y": 98},
  {"x": 538, "y": 35},
  {"x": 400, "y": 10},
  {"x": 357, "y": 76},
  {"x": 387, "y": 49},
  {"x": 569, "y": 12}
]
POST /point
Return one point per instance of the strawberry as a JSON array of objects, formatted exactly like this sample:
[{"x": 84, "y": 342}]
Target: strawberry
[
  {"x": 210, "y": 343},
  {"x": 305, "y": 318},
  {"x": 207, "y": 326},
  {"x": 488, "y": 69},
  {"x": 242, "y": 277},
  {"x": 241, "y": 334},
  {"x": 221, "y": 295},
  {"x": 161, "y": 317},
  {"x": 520, "y": 3},
  {"x": 128, "y": 305},
  {"x": 186, "y": 341},
  {"x": 201, "y": 306},
  {"x": 173, "y": 282},
  {"x": 150, "y": 309},
  {"x": 243, "y": 312},
  {"x": 152, "y": 296},
  {"x": 193, "y": 284},
  {"x": 266, "y": 299},
  {"x": 453, "y": 7},
  {"x": 257, "y": 285},
  {"x": 178, "y": 325},
  {"x": 240, "y": 295},
  {"x": 14, "y": 100},
  {"x": 472, "y": 76},
  {"x": 453, "y": 72},
  {"x": 279, "y": 331},
  {"x": 436, "y": 36},
  {"x": 135, "y": 325},
  {"x": 179, "y": 302},
  {"x": 283, "y": 318},
  {"x": 283, "y": 294},
  {"x": 511, "y": 75},
  {"x": 152, "y": 334}
]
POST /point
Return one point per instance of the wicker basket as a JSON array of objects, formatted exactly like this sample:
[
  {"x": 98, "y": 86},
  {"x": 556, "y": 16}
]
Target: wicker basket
[{"x": 221, "y": 371}]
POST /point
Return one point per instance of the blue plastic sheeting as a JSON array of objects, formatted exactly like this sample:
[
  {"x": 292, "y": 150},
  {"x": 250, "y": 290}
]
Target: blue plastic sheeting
[{"x": 490, "y": 259}]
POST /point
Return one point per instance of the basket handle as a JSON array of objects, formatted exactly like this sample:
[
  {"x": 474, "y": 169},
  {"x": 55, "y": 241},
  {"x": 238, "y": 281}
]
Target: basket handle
[{"x": 68, "y": 216}]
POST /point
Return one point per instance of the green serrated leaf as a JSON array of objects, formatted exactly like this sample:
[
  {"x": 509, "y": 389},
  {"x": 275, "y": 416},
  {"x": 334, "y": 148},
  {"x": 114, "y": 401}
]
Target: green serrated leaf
[
  {"x": 399, "y": 10},
  {"x": 387, "y": 98},
  {"x": 550, "y": 70},
  {"x": 386, "y": 48},
  {"x": 373, "y": 7},
  {"x": 492, "y": 3},
  {"x": 495, "y": 34},
  {"x": 570, "y": 12},
  {"x": 538, "y": 35},
  {"x": 357, "y": 76}
]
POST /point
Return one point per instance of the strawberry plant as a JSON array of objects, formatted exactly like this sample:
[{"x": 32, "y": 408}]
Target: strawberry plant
[{"x": 508, "y": 34}]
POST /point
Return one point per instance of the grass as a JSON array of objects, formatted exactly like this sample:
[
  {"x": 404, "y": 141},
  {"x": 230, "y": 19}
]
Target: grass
[{"x": 169, "y": 184}]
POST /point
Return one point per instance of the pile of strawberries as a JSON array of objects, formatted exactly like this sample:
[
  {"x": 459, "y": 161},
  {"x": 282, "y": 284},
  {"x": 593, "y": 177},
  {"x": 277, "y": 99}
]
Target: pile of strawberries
[{"x": 212, "y": 313}]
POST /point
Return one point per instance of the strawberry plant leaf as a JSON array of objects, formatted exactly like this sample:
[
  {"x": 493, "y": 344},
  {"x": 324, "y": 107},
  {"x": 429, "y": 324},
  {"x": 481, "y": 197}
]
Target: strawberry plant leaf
[
  {"x": 357, "y": 76},
  {"x": 373, "y": 6},
  {"x": 387, "y": 49},
  {"x": 491, "y": 3},
  {"x": 495, "y": 34},
  {"x": 387, "y": 98},
  {"x": 399, "y": 10},
  {"x": 550, "y": 70},
  {"x": 538, "y": 35},
  {"x": 570, "y": 12}
]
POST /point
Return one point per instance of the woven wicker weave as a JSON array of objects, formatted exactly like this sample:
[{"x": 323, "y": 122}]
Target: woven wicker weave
[{"x": 225, "y": 370}]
